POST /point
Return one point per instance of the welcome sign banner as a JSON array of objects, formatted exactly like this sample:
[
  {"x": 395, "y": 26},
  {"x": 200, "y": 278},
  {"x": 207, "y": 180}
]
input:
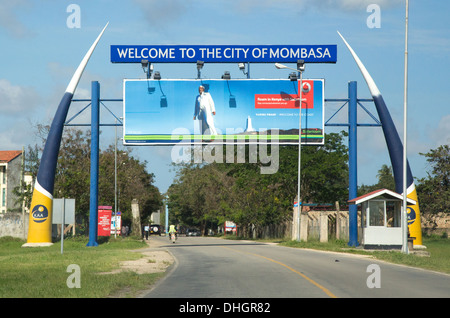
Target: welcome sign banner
[{"x": 224, "y": 53}]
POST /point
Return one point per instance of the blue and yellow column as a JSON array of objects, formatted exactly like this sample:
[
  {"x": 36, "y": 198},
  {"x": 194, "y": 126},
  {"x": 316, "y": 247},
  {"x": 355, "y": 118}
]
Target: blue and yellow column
[
  {"x": 395, "y": 148},
  {"x": 40, "y": 219}
]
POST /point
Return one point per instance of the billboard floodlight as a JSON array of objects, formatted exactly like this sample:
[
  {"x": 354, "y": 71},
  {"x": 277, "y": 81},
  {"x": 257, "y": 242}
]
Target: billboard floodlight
[
  {"x": 199, "y": 67},
  {"x": 301, "y": 65},
  {"x": 147, "y": 67},
  {"x": 226, "y": 75},
  {"x": 293, "y": 77},
  {"x": 241, "y": 66}
]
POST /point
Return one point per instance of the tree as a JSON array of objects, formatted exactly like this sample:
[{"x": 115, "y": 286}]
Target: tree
[
  {"x": 386, "y": 178},
  {"x": 72, "y": 177},
  {"x": 434, "y": 190},
  {"x": 198, "y": 195},
  {"x": 385, "y": 181},
  {"x": 133, "y": 182},
  {"x": 324, "y": 173},
  {"x": 240, "y": 193}
]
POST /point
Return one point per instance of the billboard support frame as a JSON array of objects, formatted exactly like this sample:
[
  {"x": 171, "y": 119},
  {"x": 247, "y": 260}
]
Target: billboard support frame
[
  {"x": 351, "y": 125},
  {"x": 353, "y": 101},
  {"x": 94, "y": 102}
]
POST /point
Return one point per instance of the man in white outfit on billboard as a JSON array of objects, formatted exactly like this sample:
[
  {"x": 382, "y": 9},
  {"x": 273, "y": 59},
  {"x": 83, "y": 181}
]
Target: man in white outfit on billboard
[{"x": 204, "y": 111}]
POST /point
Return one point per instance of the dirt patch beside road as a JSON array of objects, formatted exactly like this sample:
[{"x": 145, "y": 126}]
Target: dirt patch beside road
[{"x": 155, "y": 260}]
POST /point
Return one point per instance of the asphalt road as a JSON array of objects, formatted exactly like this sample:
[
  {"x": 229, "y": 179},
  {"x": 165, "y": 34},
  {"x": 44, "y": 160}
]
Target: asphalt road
[{"x": 217, "y": 268}]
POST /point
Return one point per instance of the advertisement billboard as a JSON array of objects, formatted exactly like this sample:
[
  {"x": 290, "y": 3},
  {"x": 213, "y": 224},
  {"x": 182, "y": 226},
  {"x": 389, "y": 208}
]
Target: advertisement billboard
[
  {"x": 169, "y": 112},
  {"x": 104, "y": 221},
  {"x": 116, "y": 223}
]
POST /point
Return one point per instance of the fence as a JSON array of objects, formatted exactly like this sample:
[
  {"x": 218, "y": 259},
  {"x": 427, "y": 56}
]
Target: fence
[
  {"x": 335, "y": 224},
  {"x": 315, "y": 225},
  {"x": 14, "y": 224}
]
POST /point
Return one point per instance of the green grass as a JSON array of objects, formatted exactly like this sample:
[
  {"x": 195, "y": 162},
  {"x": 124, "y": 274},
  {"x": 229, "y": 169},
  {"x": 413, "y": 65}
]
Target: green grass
[
  {"x": 42, "y": 272},
  {"x": 438, "y": 247}
]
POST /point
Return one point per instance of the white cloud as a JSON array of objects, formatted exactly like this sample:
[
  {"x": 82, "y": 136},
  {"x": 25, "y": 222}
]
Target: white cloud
[
  {"x": 18, "y": 105},
  {"x": 441, "y": 135},
  {"x": 17, "y": 99},
  {"x": 162, "y": 12},
  {"x": 8, "y": 18},
  {"x": 342, "y": 5},
  {"x": 350, "y": 5}
]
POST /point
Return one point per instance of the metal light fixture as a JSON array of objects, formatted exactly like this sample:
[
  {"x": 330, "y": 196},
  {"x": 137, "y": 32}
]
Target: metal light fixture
[
  {"x": 199, "y": 67},
  {"x": 293, "y": 77},
  {"x": 147, "y": 67},
  {"x": 226, "y": 75},
  {"x": 300, "y": 65},
  {"x": 242, "y": 68}
]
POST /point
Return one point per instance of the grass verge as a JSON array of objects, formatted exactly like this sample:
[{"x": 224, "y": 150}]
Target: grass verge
[{"x": 43, "y": 272}]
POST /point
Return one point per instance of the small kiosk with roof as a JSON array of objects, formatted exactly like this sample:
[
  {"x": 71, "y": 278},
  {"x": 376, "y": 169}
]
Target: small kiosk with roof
[{"x": 381, "y": 219}]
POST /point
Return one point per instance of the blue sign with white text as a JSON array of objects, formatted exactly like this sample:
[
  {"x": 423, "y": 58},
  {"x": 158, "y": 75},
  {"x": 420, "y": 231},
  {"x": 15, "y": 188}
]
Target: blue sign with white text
[{"x": 223, "y": 53}]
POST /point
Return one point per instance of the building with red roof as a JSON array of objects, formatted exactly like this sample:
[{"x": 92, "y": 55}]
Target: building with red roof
[{"x": 10, "y": 177}]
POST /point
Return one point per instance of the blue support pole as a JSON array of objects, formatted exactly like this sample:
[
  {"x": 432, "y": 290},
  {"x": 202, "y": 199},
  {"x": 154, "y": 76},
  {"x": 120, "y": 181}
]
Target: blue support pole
[
  {"x": 93, "y": 204},
  {"x": 352, "y": 163}
]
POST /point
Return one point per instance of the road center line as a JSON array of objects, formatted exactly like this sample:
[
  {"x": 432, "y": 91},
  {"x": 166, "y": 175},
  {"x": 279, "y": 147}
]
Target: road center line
[{"x": 325, "y": 290}]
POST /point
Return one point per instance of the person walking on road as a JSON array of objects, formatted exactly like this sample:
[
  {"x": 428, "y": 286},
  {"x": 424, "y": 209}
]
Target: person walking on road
[
  {"x": 172, "y": 229},
  {"x": 146, "y": 230}
]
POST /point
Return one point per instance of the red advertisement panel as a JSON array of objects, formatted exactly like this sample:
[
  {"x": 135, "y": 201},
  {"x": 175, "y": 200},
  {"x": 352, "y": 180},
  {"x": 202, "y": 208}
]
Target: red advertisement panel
[
  {"x": 104, "y": 222},
  {"x": 285, "y": 100},
  {"x": 307, "y": 94}
]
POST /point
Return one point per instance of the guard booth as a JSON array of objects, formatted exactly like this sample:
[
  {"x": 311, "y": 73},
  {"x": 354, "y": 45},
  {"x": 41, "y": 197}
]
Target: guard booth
[{"x": 381, "y": 219}]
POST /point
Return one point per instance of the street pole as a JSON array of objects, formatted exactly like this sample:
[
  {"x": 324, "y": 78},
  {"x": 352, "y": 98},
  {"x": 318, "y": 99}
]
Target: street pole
[
  {"x": 115, "y": 182},
  {"x": 405, "y": 114},
  {"x": 300, "y": 69},
  {"x": 63, "y": 221},
  {"x": 299, "y": 205}
]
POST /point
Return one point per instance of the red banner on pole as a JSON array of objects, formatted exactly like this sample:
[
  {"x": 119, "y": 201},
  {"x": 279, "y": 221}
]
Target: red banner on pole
[{"x": 104, "y": 221}]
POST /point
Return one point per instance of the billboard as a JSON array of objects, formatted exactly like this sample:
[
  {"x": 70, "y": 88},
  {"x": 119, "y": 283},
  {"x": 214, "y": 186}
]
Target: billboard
[
  {"x": 104, "y": 221},
  {"x": 116, "y": 223},
  {"x": 168, "y": 112}
]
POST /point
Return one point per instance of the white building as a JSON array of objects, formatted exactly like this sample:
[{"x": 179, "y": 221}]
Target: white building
[
  {"x": 381, "y": 219},
  {"x": 10, "y": 175}
]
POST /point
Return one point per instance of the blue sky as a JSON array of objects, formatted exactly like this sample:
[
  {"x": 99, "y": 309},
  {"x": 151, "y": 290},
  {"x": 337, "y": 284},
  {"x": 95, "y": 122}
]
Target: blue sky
[{"x": 39, "y": 54}]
